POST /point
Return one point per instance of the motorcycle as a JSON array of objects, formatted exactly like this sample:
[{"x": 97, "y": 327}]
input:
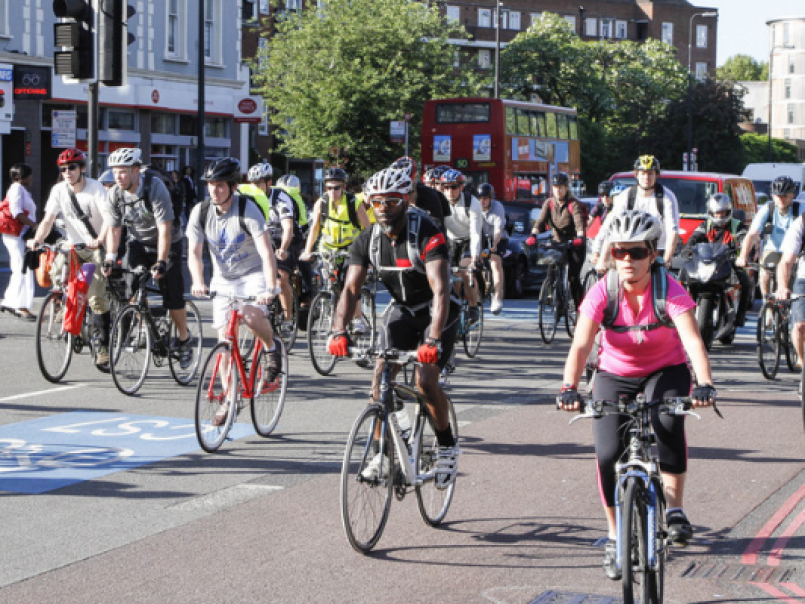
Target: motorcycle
[{"x": 711, "y": 280}]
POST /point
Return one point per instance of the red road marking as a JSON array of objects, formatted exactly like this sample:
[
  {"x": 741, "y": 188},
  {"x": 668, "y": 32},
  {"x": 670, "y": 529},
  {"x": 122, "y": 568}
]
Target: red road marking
[
  {"x": 776, "y": 593},
  {"x": 750, "y": 555},
  {"x": 794, "y": 588},
  {"x": 777, "y": 551}
]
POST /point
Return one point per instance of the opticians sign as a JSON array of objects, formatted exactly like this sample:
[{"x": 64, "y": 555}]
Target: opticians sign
[{"x": 31, "y": 82}]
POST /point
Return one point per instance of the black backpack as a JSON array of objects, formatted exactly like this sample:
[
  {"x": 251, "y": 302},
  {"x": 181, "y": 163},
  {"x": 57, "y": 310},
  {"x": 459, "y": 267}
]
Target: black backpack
[{"x": 659, "y": 299}]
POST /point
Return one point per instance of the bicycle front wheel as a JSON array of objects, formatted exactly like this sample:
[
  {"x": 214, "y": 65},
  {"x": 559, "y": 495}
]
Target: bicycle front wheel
[
  {"x": 368, "y": 311},
  {"x": 433, "y": 503},
  {"x": 54, "y": 347},
  {"x": 268, "y": 394},
  {"x": 547, "y": 316},
  {"x": 633, "y": 542},
  {"x": 216, "y": 398},
  {"x": 366, "y": 487},
  {"x": 130, "y": 347},
  {"x": 473, "y": 332},
  {"x": 768, "y": 344},
  {"x": 319, "y": 324},
  {"x": 289, "y": 336},
  {"x": 787, "y": 344},
  {"x": 184, "y": 371}
]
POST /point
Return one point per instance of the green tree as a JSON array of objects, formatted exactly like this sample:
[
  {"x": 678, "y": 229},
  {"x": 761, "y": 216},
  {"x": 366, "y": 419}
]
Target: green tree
[
  {"x": 335, "y": 76},
  {"x": 755, "y": 150},
  {"x": 740, "y": 68}
]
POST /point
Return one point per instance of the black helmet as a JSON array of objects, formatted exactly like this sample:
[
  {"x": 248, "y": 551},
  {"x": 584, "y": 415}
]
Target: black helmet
[
  {"x": 605, "y": 188},
  {"x": 560, "y": 179},
  {"x": 485, "y": 190},
  {"x": 335, "y": 174},
  {"x": 226, "y": 169},
  {"x": 646, "y": 163},
  {"x": 782, "y": 185}
]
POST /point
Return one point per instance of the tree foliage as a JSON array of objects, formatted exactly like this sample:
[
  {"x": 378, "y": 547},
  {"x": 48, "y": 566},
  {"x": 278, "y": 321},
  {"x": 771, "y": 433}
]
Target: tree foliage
[
  {"x": 740, "y": 68},
  {"x": 335, "y": 76},
  {"x": 755, "y": 149}
]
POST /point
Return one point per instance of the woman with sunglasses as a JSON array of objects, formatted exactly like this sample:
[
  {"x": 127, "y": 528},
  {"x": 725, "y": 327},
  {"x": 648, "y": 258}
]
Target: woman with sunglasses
[{"x": 638, "y": 354}]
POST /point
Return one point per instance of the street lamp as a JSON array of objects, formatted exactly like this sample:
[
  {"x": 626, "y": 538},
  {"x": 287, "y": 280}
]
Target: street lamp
[
  {"x": 497, "y": 49},
  {"x": 690, "y": 83}
]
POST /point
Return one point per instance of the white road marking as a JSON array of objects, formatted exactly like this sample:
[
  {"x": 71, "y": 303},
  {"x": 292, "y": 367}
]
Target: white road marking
[{"x": 40, "y": 392}]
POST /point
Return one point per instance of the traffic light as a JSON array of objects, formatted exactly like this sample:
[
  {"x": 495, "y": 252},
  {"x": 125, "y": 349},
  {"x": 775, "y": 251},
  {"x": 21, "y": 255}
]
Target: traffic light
[
  {"x": 76, "y": 37},
  {"x": 113, "y": 39}
]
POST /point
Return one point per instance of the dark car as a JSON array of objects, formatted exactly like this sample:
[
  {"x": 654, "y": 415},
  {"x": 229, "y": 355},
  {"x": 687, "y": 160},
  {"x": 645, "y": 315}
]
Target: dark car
[{"x": 523, "y": 273}]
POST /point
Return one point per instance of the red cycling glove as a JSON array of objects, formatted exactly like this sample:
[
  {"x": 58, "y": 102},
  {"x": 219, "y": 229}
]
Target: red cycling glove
[
  {"x": 428, "y": 352},
  {"x": 531, "y": 241},
  {"x": 338, "y": 346}
]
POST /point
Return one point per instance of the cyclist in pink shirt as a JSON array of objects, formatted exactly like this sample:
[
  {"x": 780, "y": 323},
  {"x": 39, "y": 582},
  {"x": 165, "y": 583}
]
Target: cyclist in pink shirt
[{"x": 639, "y": 353}]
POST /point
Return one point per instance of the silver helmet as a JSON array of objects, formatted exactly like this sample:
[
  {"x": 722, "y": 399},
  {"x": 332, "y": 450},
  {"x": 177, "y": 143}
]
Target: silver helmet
[{"x": 719, "y": 202}]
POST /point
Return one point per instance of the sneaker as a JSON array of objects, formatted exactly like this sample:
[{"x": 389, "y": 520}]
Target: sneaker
[
  {"x": 274, "y": 362},
  {"x": 185, "y": 351},
  {"x": 359, "y": 327},
  {"x": 610, "y": 560},
  {"x": 496, "y": 305},
  {"x": 220, "y": 416},
  {"x": 377, "y": 469},
  {"x": 475, "y": 315},
  {"x": 286, "y": 328},
  {"x": 446, "y": 466},
  {"x": 679, "y": 529},
  {"x": 102, "y": 357}
]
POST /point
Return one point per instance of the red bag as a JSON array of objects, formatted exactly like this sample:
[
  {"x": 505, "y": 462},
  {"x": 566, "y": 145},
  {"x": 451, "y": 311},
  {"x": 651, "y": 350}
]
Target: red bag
[
  {"x": 43, "y": 271},
  {"x": 77, "y": 288},
  {"x": 9, "y": 225}
]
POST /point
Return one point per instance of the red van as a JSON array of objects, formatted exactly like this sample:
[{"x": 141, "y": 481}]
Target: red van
[{"x": 693, "y": 189}]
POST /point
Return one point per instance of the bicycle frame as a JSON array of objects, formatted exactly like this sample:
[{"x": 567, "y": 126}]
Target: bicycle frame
[{"x": 235, "y": 317}]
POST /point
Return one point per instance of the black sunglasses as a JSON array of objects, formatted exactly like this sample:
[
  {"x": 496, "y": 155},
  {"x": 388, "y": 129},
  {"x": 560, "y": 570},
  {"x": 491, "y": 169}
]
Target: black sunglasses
[
  {"x": 68, "y": 167},
  {"x": 635, "y": 253}
]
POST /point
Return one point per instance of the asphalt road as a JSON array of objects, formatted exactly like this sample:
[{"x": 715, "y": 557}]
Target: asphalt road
[{"x": 160, "y": 520}]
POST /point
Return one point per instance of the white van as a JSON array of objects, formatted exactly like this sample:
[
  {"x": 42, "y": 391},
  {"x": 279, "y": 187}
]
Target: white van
[{"x": 762, "y": 175}]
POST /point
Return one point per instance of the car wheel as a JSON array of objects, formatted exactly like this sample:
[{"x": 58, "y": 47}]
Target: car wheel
[{"x": 516, "y": 281}]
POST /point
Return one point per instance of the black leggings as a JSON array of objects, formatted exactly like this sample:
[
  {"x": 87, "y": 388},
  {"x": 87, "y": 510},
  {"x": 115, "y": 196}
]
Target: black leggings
[{"x": 611, "y": 434}]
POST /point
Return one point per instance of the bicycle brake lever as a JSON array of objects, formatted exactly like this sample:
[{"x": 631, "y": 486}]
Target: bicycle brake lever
[{"x": 718, "y": 412}]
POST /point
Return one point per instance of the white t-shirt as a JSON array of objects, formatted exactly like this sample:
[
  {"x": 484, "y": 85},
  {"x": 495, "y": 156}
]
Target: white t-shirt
[
  {"x": 465, "y": 223},
  {"x": 91, "y": 201},
  {"x": 792, "y": 244},
  {"x": 669, "y": 218},
  {"x": 19, "y": 201}
]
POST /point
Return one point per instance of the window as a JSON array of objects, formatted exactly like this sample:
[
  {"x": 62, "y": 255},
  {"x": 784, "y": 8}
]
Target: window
[
  {"x": 561, "y": 125},
  {"x": 620, "y": 30},
  {"x": 591, "y": 26},
  {"x": 606, "y": 28},
  {"x": 790, "y": 112},
  {"x": 262, "y": 53},
  {"x": 121, "y": 120},
  {"x": 514, "y": 20},
  {"x": 453, "y": 13},
  {"x": 786, "y": 34},
  {"x": 787, "y": 88},
  {"x": 535, "y": 17},
  {"x": 572, "y": 20},
  {"x": 249, "y": 11},
  {"x": 484, "y": 58},
  {"x": 791, "y": 64},
  {"x": 175, "y": 29},
  {"x": 504, "y": 19},
  {"x": 668, "y": 33},
  {"x": 551, "y": 130},
  {"x": 264, "y": 7},
  {"x": 463, "y": 113},
  {"x": 163, "y": 123},
  {"x": 5, "y": 29},
  {"x": 701, "y": 36},
  {"x": 701, "y": 71},
  {"x": 484, "y": 17},
  {"x": 573, "y": 127},
  {"x": 523, "y": 123},
  {"x": 542, "y": 129},
  {"x": 215, "y": 127},
  {"x": 293, "y": 4},
  {"x": 511, "y": 121},
  {"x": 187, "y": 125}
]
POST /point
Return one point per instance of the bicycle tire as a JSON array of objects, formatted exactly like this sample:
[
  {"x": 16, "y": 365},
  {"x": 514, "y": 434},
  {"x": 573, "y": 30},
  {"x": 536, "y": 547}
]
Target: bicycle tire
[
  {"x": 787, "y": 344},
  {"x": 547, "y": 316},
  {"x": 289, "y": 339},
  {"x": 370, "y": 317},
  {"x": 589, "y": 281},
  {"x": 130, "y": 348},
  {"x": 433, "y": 503},
  {"x": 54, "y": 346},
  {"x": 473, "y": 333},
  {"x": 768, "y": 344},
  {"x": 268, "y": 398},
  {"x": 319, "y": 325},
  {"x": 365, "y": 504},
  {"x": 634, "y": 557},
  {"x": 214, "y": 387},
  {"x": 802, "y": 394},
  {"x": 659, "y": 556},
  {"x": 705, "y": 307},
  {"x": 184, "y": 376}
]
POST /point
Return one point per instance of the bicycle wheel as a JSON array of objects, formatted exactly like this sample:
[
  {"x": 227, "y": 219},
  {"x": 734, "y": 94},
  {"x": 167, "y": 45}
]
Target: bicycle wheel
[
  {"x": 130, "y": 346},
  {"x": 433, "y": 503},
  {"x": 184, "y": 375},
  {"x": 269, "y": 396},
  {"x": 634, "y": 556},
  {"x": 54, "y": 346},
  {"x": 657, "y": 547},
  {"x": 768, "y": 345},
  {"x": 547, "y": 316},
  {"x": 365, "y": 500},
  {"x": 787, "y": 344},
  {"x": 570, "y": 311},
  {"x": 589, "y": 281},
  {"x": 319, "y": 323},
  {"x": 217, "y": 390},
  {"x": 473, "y": 332},
  {"x": 369, "y": 315},
  {"x": 289, "y": 336}
]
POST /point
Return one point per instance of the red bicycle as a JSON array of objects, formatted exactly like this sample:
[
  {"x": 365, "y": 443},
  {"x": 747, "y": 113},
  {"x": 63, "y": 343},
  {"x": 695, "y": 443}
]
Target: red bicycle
[{"x": 225, "y": 387}]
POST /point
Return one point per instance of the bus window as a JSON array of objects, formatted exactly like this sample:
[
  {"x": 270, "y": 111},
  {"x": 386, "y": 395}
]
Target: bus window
[
  {"x": 462, "y": 113},
  {"x": 551, "y": 125},
  {"x": 574, "y": 127},
  {"x": 561, "y": 125},
  {"x": 523, "y": 123},
  {"x": 542, "y": 130},
  {"x": 532, "y": 119},
  {"x": 511, "y": 121}
]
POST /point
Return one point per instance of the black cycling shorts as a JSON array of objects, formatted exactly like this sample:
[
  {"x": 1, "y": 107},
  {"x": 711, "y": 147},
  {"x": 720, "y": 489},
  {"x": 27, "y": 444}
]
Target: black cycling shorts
[
  {"x": 171, "y": 285},
  {"x": 405, "y": 331}
]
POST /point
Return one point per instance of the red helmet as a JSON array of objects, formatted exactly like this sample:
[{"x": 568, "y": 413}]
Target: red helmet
[{"x": 72, "y": 156}]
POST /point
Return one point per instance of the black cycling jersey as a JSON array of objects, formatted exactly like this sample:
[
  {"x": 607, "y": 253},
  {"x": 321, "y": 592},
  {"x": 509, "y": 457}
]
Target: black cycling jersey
[{"x": 433, "y": 202}]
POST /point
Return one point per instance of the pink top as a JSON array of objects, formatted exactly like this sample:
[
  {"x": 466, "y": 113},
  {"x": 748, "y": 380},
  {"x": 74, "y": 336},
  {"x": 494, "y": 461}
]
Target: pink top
[{"x": 638, "y": 353}]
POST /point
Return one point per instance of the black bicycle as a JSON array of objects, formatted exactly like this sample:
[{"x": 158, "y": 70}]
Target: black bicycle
[{"x": 555, "y": 300}]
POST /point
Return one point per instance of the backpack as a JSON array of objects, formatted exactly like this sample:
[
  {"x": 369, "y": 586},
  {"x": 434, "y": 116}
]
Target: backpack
[
  {"x": 772, "y": 209},
  {"x": 148, "y": 178},
  {"x": 414, "y": 216},
  {"x": 585, "y": 211},
  {"x": 242, "y": 201},
  {"x": 659, "y": 298},
  {"x": 659, "y": 194},
  {"x": 352, "y": 212}
]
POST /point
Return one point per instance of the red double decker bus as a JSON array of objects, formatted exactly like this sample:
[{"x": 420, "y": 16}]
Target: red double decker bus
[{"x": 513, "y": 145}]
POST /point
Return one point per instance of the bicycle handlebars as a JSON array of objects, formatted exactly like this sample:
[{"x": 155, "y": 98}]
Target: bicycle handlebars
[{"x": 677, "y": 406}]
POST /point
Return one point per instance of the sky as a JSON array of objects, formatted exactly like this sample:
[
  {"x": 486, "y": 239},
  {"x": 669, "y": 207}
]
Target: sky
[{"x": 742, "y": 25}]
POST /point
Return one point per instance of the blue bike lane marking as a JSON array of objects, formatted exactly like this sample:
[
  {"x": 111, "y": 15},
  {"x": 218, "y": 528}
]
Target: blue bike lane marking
[{"x": 53, "y": 452}]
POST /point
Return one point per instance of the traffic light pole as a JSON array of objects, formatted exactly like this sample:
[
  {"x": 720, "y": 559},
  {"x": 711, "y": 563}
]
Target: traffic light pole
[
  {"x": 92, "y": 130},
  {"x": 200, "y": 192}
]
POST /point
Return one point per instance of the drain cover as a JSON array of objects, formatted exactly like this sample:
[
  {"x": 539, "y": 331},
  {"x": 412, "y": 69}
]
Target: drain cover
[
  {"x": 739, "y": 572},
  {"x": 558, "y": 597}
]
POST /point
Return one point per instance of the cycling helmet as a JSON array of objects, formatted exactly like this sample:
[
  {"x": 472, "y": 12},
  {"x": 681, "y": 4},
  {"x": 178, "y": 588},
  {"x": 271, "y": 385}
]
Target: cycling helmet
[
  {"x": 124, "y": 157},
  {"x": 485, "y": 190},
  {"x": 406, "y": 164},
  {"x": 72, "y": 156},
  {"x": 560, "y": 179},
  {"x": 428, "y": 176},
  {"x": 452, "y": 176},
  {"x": 225, "y": 169},
  {"x": 647, "y": 162},
  {"x": 289, "y": 180},
  {"x": 107, "y": 178},
  {"x": 389, "y": 181},
  {"x": 719, "y": 202},
  {"x": 335, "y": 174},
  {"x": 782, "y": 185},
  {"x": 261, "y": 171},
  {"x": 438, "y": 171},
  {"x": 605, "y": 188},
  {"x": 632, "y": 226}
]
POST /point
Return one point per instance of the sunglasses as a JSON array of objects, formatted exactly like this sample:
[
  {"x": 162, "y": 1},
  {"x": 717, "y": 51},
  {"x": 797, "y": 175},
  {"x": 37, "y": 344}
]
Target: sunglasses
[
  {"x": 70, "y": 167},
  {"x": 337, "y": 188},
  {"x": 391, "y": 202},
  {"x": 635, "y": 253},
  {"x": 450, "y": 187}
]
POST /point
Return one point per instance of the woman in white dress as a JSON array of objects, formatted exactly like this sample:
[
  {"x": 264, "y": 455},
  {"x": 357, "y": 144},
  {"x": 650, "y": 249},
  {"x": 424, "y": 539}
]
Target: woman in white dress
[{"x": 19, "y": 295}]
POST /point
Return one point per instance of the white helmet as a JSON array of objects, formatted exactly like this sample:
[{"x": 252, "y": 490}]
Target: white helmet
[
  {"x": 262, "y": 171},
  {"x": 289, "y": 180},
  {"x": 389, "y": 181},
  {"x": 632, "y": 226},
  {"x": 125, "y": 156},
  {"x": 720, "y": 202}
]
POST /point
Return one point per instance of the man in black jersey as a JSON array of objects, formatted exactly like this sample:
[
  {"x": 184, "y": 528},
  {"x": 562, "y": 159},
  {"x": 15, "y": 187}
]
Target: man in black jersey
[
  {"x": 422, "y": 196},
  {"x": 410, "y": 256}
]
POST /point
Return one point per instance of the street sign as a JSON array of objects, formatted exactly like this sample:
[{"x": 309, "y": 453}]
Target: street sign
[
  {"x": 397, "y": 131},
  {"x": 6, "y": 97},
  {"x": 63, "y": 129}
]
